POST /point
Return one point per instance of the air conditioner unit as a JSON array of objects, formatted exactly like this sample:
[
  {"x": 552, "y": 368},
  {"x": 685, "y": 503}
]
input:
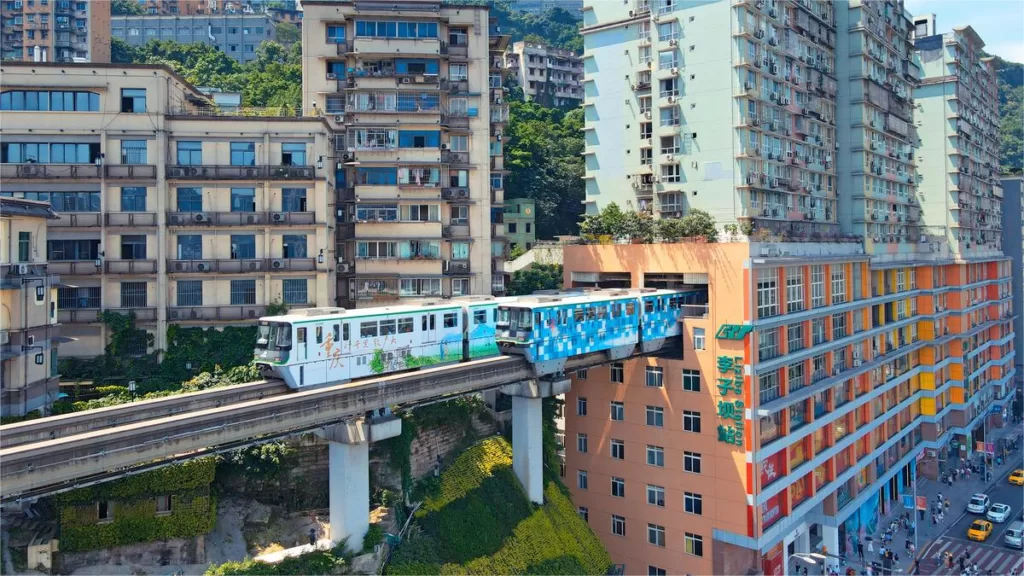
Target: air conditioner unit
[
  {"x": 254, "y": 265},
  {"x": 406, "y": 80},
  {"x": 675, "y": 71},
  {"x": 277, "y": 264},
  {"x": 343, "y": 266},
  {"x": 647, "y": 115},
  {"x": 669, "y": 157},
  {"x": 671, "y": 99},
  {"x": 673, "y": 42},
  {"x": 338, "y": 119},
  {"x": 22, "y": 269},
  {"x": 203, "y": 267},
  {"x": 278, "y": 217},
  {"x": 252, "y": 219},
  {"x": 332, "y": 76}
]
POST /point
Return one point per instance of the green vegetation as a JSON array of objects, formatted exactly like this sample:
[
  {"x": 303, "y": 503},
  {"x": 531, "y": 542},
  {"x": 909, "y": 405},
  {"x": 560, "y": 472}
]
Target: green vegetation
[
  {"x": 613, "y": 223},
  {"x": 1010, "y": 79},
  {"x": 334, "y": 561},
  {"x": 374, "y": 536},
  {"x": 287, "y": 33},
  {"x": 126, "y": 8},
  {"x": 536, "y": 277},
  {"x": 478, "y": 521},
  {"x": 134, "y": 510},
  {"x": 554, "y": 27}
]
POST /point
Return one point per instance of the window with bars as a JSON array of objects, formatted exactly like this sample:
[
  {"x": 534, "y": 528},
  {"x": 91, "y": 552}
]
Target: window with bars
[
  {"x": 79, "y": 298},
  {"x": 794, "y": 289},
  {"x": 817, "y": 286},
  {"x": 767, "y": 292},
  {"x": 768, "y": 386},
  {"x": 295, "y": 291},
  {"x": 767, "y": 344},
  {"x": 795, "y": 337},
  {"x": 838, "y": 284},
  {"x": 190, "y": 292},
  {"x": 133, "y": 295},
  {"x": 243, "y": 292}
]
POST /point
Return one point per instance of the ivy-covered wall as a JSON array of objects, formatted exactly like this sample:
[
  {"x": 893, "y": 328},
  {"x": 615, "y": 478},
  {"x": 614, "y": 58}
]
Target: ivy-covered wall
[{"x": 133, "y": 503}]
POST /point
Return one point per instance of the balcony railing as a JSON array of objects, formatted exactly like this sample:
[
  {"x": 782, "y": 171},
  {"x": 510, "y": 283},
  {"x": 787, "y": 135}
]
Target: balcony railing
[
  {"x": 76, "y": 220},
  {"x": 449, "y": 157},
  {"x": 78, "y": 316},
  {"x": 456, "y": 267},
  {"x": 130, "y": 219},
  {"x": 74, "y": 267},
  {"x": 239, "y": 218},
  {"x": 131, "y": 171},
  {"x": 129, "y": 266},
  {"x": 47, "y": 171},
  {"x": 455, "y": 121},
  {"x": 142, "y": 314},
  {"x": 455, "y": 231},
  {"x": 222, "y": 313},
  {"x": 241, "y": 172},
  {"x": 240, "y": 265},
  {"x": 455, "y": 194}
]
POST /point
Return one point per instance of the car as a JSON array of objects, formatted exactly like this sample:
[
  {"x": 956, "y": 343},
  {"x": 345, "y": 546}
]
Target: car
[
  {"x": 978, "y": 504},
  {"x": 998, "y": 512},
  {"x": 1017, "y": 477},
  {"x": 1014, "y": 537},
  {"x": 980, "y": 530}
]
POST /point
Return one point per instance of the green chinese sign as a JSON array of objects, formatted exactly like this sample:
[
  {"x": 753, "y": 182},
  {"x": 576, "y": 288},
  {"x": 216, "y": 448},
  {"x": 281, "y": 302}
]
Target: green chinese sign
[
  {"x": 730, "y": 382},
  {"x": 733, "y": 331}
]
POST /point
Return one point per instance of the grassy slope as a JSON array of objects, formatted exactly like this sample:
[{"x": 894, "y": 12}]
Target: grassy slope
[{"x": 480, "y": 522}]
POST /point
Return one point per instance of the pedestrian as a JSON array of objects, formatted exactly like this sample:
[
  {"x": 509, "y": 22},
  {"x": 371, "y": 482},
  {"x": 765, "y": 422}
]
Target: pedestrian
[
  {"x": 947, "y": 504},
  {"x": 860, "y": 551},
  {"x": 312, "y": 536},
  {"x": 917, "y": 565},
  {"x": 967, "y": 554}
]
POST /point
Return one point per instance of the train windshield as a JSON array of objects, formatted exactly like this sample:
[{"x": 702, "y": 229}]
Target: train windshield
[
  {"x": 517, "y": 318},
  {"x": 274, "y": 336}
]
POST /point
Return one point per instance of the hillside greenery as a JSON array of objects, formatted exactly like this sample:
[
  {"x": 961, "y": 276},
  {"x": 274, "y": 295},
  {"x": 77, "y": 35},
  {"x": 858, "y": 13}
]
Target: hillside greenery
[
  {"x": 478, "y": 521},
  {"x": 1011, "y": 115},
  {"x": 535, "y": 277}
]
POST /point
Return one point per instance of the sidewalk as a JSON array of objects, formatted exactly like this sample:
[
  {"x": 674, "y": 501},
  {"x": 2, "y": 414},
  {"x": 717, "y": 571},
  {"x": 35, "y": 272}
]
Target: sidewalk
[{"x": 958, "y": 497}]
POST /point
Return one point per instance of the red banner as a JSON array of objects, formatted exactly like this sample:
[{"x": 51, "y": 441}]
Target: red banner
[
  {"x": 771, "y": 563},
  {"x": 772, "y": 468},
  {"x": 771, "y": 512}
]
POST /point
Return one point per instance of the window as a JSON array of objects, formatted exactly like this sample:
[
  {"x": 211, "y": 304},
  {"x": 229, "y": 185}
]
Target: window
[
  {"x": 243, "y": 153},
  {"x": 133, "y": 295},
  {"x": 293, "y": 199},
  {"x": 654, "y": 376},
  {"x": 78, "y": 298},
  {"x": 105, "y": 511},
  {"x": 294, "y": 246},
  {"x": 698, "y": 339},
  {"x": 581, "y": 374},
  {"x": 451, "y": 320},
  {"x": 838, "y": 326},
  {"x": 133, "y": 199},
  {"x": 656, "y": 495},
  {"x": 693, "y": 503},
  {"x": 838, "y": 284},
  {"x": 133, "y": 152},
  {"x": 691, "y": 380},
  {"x": 460, "y": 215},
  {"x": 24, "y": 246},
  {"x": 618, "y": 525},
  {"x": 163, "y": 505},
  {"x": 190, "y": 153},
  {"x": 584, "y": 513},
  {"x": 581, "y": 479},
  {"x": 767, "y": 292},
  {"x": 795, "y": 337},
  {"x": 671, "y": 173},
  {"x": 293, "y": 154},
  {"x": 655, "y": 456},
  {"x": 618, "y": 411},
  {"x": 42, "y": 100},
  {"x": 133, "y": 247},
  {"x": 767, "y": 344},
  {"x": 243, "y": 292},
  {"x": 768, "y": 386},
  {"x": 691, "y": 421},
  {"x": 656, "y": 535},
  {"x": 64, "y": 250},
  {"x": 691, "y": 462},
  {"x": 581, "y": 443},
  {"x": 190, "y": 199},
  {"x": 581, "y": 406},
  {"x": 794, "y": 289},
  {"x": 294, "y": 291},
  {"x": 694, "y": 544},
  {"x": 618, "y": 449},
  {"x": 190, "y": 246},
  {"x": 133, "y": 100},
  {"x": 616, "y": 373},
  {"x": 817, "y": 286},
  {"x": 190, "y": 292},
  {"x": 460, "y": 286},
  {"x": 667, "y": 59},
  {"x": 655, "y": 571},
  {"x": 817, "y": 331},
  {"x": 618, "y": 487},
  {"x": 656, "y": 416},
  {"x": 335, "y": 34}
]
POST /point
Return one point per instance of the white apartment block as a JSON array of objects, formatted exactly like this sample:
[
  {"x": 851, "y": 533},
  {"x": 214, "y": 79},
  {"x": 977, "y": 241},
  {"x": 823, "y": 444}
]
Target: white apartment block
[{"x": 548, "y": 75}]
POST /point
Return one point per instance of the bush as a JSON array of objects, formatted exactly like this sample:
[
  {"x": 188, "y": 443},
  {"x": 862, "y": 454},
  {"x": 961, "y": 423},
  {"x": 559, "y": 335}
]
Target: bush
[
  {"x": 373, "y": 537},
  {"x": 318, "y": 562}
]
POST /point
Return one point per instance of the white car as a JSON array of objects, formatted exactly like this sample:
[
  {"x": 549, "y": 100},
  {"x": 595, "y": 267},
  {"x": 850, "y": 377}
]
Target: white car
[
  {"x": 998, "y": 513},
  {"x": 978, "y": 504}
]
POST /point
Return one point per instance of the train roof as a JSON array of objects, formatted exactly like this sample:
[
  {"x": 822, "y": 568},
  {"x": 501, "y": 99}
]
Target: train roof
[
  {"x": 554, "y": 298},
  {"x": 310, "y": 314}
]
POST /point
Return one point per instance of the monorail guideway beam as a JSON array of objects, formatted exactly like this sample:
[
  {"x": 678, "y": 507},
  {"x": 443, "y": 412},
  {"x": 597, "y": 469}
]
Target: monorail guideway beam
[{"x": 528, "y": 430}]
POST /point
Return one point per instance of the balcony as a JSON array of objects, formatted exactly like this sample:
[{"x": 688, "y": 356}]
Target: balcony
[
  {"x": 457, "y": 158},
  {"x": 458, "y": 50},
  {"x": 142, "y": 314},
  {"x": 130, "y": 219},
  {"x": 50, "y": 171},
  {"x": 131, "y": 171},
  {"x": 76, "y": 220},
  {"x": 455, "y": 121},
  {"x": 129, "y": 266},
  {"x": 455, "y": 231},
  {"x": 344, "y": 47},
  {"x": 239, "y": 218},
  {"x": 455, "y": 267},
  {"x": 78, "y": 315},
  {"x": 240, "y": 265},
  {"x": 456, "y": 194},
  {"x": 216, "y": 313},
  {"x": 497, "y": 163},
  {"x": 74, "y": 267},
  {"x": 240, "y": 172}
]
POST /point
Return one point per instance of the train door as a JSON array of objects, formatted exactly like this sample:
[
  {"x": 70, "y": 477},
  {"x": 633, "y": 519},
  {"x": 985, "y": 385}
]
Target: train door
[
  {"x": 301, "y": 355},
  {"x": 319, "y": 355},
  {"x": 429, "y": 325}
]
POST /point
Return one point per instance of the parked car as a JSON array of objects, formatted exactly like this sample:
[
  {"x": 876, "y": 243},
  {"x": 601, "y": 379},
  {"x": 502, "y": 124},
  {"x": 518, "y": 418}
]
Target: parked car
[
  {"x": 979, "y": 504},
  {"x": 1014, "y": 537},
  {"x": 998, "y": 512}
]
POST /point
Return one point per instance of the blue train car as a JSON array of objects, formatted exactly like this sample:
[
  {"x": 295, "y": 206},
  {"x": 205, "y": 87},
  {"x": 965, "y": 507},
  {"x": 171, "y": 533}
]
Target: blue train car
[{"x": 661, "y": 313}]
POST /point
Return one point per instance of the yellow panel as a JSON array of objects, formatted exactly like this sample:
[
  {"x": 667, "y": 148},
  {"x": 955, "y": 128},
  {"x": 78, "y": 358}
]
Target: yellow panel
[
  {"x": 956, "y": 371},
  {"x": 926, "y": 330},
  {"x": 928, "y": 406},
  {"x": 956, "y": 395},
  {"x": 927, "y": 381}
]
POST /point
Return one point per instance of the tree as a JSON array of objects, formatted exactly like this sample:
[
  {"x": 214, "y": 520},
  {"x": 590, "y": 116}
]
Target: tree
[
  {"x": 536, "y": 277},
  {"x": 699, "y": 223},
  {"x": 126, "y": 8},
  {"x": 611, "y": 221},
  {"x": 122, "y": 52},
  {"x": 287, "y": 33}
]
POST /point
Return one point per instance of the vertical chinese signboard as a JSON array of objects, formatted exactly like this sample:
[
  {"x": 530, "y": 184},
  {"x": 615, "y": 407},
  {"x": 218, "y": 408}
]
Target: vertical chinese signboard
[{"x": 730, "y": 408}]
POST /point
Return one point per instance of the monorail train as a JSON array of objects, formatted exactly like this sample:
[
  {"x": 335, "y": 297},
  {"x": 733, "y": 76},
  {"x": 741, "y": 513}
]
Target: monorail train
[{"x": 317, "y": 346}]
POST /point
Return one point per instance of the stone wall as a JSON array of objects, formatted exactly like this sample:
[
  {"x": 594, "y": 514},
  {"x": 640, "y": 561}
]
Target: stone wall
[{"x": 168, "y": 552}]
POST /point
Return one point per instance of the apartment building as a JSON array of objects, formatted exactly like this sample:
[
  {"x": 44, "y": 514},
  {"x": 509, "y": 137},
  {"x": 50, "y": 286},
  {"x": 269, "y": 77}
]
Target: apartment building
[
  {"x": 548, "y": 75},
  {"x": 959, "y": 114},
  {"x": 237, "y": 35},
  {"x": 1013, "y": 247},
  {"x": 795, "y": 408},
  {"x": 167, "y": 209},
  {"x": 416, "y": 105},
  {"x": 174, "y": 7},
  {"x": 55, "y": 31},
  {"x": 29, "y": 334},
  {"x": 520, "y": 223}
]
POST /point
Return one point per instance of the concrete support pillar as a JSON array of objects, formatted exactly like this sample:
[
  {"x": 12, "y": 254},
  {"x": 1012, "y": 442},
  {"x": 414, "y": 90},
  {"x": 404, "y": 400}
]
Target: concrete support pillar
[
  {"x": 830, "y": 545},
  {"x": 349, "y": 492},
  {"x": 527, "y": 444}
]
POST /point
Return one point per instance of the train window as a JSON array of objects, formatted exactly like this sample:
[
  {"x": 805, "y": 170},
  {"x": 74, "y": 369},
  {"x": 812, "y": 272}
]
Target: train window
[
  {"x": 388, "y": 327},
  {"x": 673, "y": 303},
  {"x": 337, "y": 332},
  {"x": 479, "y": 317},
  {"x": 630, "y": 308},
  {"x": 429, "y": 320},
  {"x": 590, "y": 313},
  {"x": 451, "y": 319},
  {"x": 495, "y": 315},
  {"x": 301, "y": 335},
  {"x": 602, "y": 312},
  {"x": 319, "y": 334},
  {"x": 405, "y": 326},
  {"x": 577, "y": 315},
  {"x": 537, "y": 319},
  {"x": 367, "y": 329},
  {"x": 616, "y": 310},
  {"x": 648, "y": 306},
  {"x": 344, "y": 329}
]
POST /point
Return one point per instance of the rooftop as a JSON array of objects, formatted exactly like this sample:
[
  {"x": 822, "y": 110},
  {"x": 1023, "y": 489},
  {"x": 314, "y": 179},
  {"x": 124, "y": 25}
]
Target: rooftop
[{"x": 11, "y": 207}]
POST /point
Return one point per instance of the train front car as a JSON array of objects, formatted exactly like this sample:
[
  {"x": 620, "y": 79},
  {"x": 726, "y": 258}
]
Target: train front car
[
  {"x": 273, "y": 348},
  {"x": 550, "y": 329}
]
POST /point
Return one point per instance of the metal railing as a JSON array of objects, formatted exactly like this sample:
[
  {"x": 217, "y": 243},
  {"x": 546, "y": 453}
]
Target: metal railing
[{"x": 216, "y": 172}]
